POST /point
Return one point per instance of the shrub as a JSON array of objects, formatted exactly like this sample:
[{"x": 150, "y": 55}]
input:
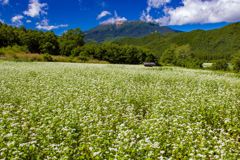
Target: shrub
[
  {"x": 220, "y": 65},
  {"x": 150, "y": 58},
  {"x": 47, "y": 57},
  {"x": 76, "y": 51},
  {"x": 1, "y": 53},
  {"x": 84, "y": 56},
  {"x": 236, "y": 63},
  {"x": 14, "y": 49}
]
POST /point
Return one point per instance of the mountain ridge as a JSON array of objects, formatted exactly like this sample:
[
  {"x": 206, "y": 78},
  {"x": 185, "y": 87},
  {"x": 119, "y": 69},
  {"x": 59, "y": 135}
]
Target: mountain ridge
[{"x": 134, "y": 29}]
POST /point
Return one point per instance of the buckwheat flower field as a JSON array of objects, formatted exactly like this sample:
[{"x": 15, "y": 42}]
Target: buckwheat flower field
[{"x": 89, "y": 111}]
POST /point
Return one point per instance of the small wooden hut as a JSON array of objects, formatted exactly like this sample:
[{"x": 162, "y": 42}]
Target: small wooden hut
[{"x": 149, "y": 64}]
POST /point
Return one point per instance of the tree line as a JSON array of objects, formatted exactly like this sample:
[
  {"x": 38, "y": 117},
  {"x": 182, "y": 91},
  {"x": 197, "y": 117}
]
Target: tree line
[
  {"x": 191, "y": 49},
  {"x": 184, "y": 56},
  {"x": 219, "y": 47},
  {"x": 71, "y": 43}
]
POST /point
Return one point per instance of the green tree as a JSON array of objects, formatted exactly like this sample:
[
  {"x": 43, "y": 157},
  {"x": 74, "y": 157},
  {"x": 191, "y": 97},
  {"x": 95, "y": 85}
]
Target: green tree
[
  {"x": 220, "y": 65},
  {"x": 8, "y": 36},
  {"x": 84, "y": 56},
  {"x": 168, "y": 56},
  {"x": 70, "y": 40},
  {"x": 183, "y": 52},
  {"x": 31, "y": 39},
  {"x": 76, "y": 51},
  {"x": 150, "y": 58},
  {"x": 183, "y": 56},
  {"x": 236, "y": 62},
  {"x": 49, "y": 43}
]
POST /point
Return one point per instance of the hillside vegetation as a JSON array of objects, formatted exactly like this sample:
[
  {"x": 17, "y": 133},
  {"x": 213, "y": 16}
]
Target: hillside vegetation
[
  {"x": 199, "y": 45},
  {"x": 16, "y": 43},
  {"x": 213, "y": 44},
  {"x": 219, "y": 47}
]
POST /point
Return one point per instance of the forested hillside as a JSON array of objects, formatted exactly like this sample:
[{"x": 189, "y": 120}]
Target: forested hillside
[{"x": 205, "y": 45}]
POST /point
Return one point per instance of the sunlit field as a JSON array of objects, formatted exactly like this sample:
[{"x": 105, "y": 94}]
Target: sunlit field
[{"x": 92, "y": 111}]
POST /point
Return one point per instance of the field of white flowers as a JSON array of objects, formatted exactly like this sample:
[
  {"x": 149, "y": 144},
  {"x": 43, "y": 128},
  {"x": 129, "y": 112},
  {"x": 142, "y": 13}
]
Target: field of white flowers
[{"x": 87, "y": 111}]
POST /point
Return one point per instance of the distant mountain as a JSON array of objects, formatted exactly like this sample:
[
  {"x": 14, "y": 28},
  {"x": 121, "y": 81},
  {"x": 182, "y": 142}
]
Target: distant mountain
[
  {"x": 124, "y": 29},
  {"x": 213, "y": 44}
]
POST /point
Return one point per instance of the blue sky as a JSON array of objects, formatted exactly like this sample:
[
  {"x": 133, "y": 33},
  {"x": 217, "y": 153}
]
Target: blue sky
[{"x": 60, "y": 15}]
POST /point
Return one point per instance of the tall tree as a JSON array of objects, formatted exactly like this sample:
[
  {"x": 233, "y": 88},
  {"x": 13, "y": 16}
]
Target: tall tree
[
  {"x": 70, "y": 40},
  {"x": 8, "y": 36},
  {"x": 49, "y": 43},
  {"x": 236, "y": 62},
  {"x": 31, "y": 39}
]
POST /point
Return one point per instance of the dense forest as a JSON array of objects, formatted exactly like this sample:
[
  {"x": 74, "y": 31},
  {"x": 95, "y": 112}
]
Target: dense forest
[
  {"x": 213, "y": 44},
  {"x": 70, "y": 44},
  {"x": 220, "y": 47},
  {"x": 191, "y": 49}
]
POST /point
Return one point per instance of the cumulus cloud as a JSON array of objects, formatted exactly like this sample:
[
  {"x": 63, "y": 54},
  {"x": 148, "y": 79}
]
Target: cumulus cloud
[
  {"x": 157, "y": 3},
  {"x": 103, "y": 14},
  {"x": 146, "y": 17},
  {"x": 4, "y": 2},
  {"x": 198, "y": 12},
  {"x": 44, "y": 25},
  {"x": 114, "y": 20},
  {"x": 35, "y": 8},
  {"x": 1, "y": 21},
  {"x": 17, "y": 20},
  {"x": 162, "y": 21}
]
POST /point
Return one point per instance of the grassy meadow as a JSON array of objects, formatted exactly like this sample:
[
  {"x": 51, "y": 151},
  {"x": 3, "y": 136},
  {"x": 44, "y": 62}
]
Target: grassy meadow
[{"x": 95, "y": 111}]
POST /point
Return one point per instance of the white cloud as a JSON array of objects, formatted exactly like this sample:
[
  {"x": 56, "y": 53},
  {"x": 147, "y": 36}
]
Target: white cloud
[
  {"x": 198, "y": 12},
  {"x": 4, "y": 2},
  {"x": 1, "y": 21},
  {"x": 17, "y": 20},
  {"x": 162, "y": 21},
  {"x": 157, "y": 3},
  {"x": 44, "y": 25},
  {"x": 28, "y": 21},
  {"x": 114, "y": 20},
  {"x": 146, "y": 17},
  {"x": 103, "y": 14},
  {"x": 35, "y": 8}
]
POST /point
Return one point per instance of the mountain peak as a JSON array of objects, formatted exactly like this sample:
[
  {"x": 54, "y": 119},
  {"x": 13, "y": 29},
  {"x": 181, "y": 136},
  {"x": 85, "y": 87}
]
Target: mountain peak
[
  {"x": 124, "y": 29},
  {"x": 118, "y": 23}
]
